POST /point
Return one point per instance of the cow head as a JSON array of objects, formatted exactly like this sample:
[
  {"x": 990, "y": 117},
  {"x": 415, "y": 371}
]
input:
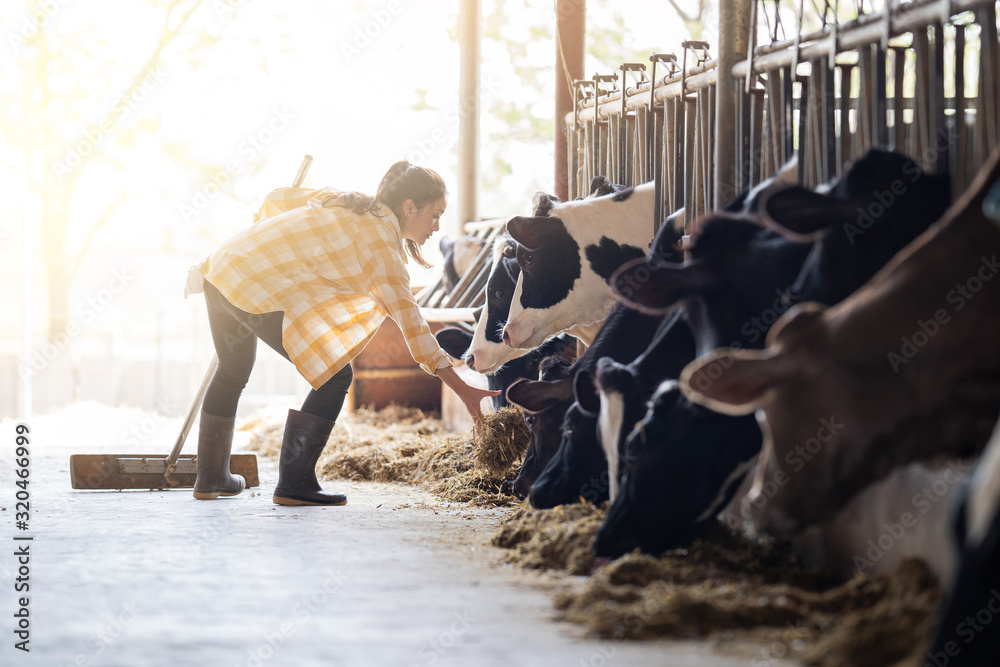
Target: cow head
[
  {"x": 561, "y": 285},
  {"x": 544, "y": 402},
  {"x": 549, "y": 259},
  {"x": 810, "y": 404},
  {"x": 487, "y": 353},
  {"x": 578, "y": 468},
  {"x": 681, "y": 464}
]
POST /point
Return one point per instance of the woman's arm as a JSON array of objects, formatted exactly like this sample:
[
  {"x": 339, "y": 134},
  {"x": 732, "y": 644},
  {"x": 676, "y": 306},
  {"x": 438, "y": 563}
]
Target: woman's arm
[{"x": 471, "y": 396}]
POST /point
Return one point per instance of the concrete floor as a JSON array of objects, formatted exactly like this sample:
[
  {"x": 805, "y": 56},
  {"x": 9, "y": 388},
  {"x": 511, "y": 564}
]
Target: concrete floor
[{"x": 158, "y": 578}]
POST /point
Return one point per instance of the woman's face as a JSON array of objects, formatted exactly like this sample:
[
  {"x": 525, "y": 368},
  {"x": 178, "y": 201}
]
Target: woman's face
[{"x": 419, "y": 225}]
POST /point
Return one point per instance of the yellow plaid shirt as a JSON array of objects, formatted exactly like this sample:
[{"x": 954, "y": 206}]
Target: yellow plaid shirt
[{"x": 335, "y": 273}]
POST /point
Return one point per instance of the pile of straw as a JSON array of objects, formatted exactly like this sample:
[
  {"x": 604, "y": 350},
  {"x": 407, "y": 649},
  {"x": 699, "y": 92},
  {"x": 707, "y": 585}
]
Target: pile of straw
[{"x": 399, "y": 444}]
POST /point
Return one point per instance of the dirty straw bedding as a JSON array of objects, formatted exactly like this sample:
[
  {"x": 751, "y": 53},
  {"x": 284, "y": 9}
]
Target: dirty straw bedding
[{"x": 752, "y": 598}]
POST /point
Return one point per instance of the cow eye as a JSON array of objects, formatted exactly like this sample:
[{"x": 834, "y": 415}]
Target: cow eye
[
  {"x": 498, "y": 294},
  {"x": 529, "y": 419},
  {"x": 528, "y": 258}
]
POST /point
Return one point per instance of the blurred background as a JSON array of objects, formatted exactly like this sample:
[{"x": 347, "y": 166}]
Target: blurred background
[{"x": 136, "y": 136}]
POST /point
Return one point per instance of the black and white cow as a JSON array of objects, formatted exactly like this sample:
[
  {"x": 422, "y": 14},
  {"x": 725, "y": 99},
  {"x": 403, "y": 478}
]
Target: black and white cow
[
  {"x": 559, "y": 419},
  {"x": 456, "y": 342},
  {"x": 740, "y": 279},
  {"x": 488, "y": 353},
  {"x": 563, "y": 281},
  {"x": 569, "y": 462}
]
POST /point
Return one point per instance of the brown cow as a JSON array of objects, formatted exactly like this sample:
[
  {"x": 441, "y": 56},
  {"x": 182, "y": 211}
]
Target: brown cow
[{"x": 905, "y": 369}]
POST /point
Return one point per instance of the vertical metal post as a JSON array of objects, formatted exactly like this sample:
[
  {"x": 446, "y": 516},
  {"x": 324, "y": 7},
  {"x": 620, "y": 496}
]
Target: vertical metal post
[
  {"x": 921, "y": 99},
  {"x": 468, "y": 126},
  {"x": 898, "y": 101},
  {"x": 787, "y": 114},
  {"x": 570, "y": 30},
  {"x": 879, "y": 121},
  {"x": 734, "y": 39},
  {"x": 959, "y": 156},
  {"x": 755, "y": 164},
  {"x": 829, "y": 136},
  {"x": 677, "y": 146},
  {"x": 844, "y": 141},
  {"x": 940, "y": 136},
  {"x": 805, "y": 155}
]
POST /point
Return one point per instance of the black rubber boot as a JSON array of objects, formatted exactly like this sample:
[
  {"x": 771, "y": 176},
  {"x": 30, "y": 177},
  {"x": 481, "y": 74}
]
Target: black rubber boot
[
  {"x": 215, "y": 441},
  {"x": 304, "y": 439}
]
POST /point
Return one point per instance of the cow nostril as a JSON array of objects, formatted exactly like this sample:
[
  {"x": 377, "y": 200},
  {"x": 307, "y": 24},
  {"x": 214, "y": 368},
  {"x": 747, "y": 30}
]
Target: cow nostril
[
  {"x": 471, "y": 363},
  {"x": 506, "y": 337}
]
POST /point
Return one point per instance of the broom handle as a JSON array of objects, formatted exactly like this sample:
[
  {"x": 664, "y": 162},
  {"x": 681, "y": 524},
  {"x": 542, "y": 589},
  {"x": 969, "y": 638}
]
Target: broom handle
[{"x": 189, "y": 420}]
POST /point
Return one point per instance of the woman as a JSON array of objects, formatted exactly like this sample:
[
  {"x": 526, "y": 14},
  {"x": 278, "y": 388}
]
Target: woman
[{"x": 314, "y": 279}]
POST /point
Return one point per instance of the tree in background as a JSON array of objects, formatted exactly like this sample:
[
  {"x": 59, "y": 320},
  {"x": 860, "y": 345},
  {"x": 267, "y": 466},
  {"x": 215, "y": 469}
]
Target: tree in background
[{"x": 65, "y": 143}]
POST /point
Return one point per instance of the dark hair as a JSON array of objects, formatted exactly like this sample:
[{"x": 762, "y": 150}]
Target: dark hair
[{"x": 401, "y": 182}]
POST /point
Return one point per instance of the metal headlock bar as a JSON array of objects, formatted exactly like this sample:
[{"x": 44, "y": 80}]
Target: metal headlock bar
[{"x": 900, "y": 76}]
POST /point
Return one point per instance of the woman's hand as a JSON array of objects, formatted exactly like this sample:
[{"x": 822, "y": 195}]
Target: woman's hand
[{"x": 471, "y": 396}]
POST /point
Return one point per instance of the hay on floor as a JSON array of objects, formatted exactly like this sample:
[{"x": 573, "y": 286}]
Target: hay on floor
[
  {"x": 399, "y": 444},
  {"x": 731, "y": 588}
]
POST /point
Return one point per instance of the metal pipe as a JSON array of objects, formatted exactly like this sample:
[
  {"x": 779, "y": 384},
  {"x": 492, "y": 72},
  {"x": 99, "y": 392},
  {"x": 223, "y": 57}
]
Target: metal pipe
[{"x": 850, "y": 36}]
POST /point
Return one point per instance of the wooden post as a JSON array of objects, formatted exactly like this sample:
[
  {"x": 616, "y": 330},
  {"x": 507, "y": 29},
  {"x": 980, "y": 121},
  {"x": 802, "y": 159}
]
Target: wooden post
[
  {"x": 468, "y": 126},
  {"x": 734, "y": 39},
  {"x": 570, "y": 30}
]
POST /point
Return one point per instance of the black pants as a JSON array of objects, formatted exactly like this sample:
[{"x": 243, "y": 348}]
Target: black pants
[{"x": 235, "y": 333}]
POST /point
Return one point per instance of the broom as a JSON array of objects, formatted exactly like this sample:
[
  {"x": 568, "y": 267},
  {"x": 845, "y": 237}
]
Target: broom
[{"x": 137, "y": 471}]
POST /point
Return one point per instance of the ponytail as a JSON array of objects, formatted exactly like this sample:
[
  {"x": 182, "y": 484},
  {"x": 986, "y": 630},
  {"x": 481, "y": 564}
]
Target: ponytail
[{"x": 401, "y": 182}]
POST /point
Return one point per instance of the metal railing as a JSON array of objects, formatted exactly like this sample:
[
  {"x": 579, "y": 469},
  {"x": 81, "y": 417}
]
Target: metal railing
[{"x": 920, "y": 77}]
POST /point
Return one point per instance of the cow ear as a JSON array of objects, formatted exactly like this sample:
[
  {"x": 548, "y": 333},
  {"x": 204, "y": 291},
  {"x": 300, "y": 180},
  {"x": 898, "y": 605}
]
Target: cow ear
[
  {"x": 613, "y": 375},
  {"x": 795, "y": 320},
  {"x": 991, "y": 204},
  {"x": 585, "y": 393},
  {"x": 542, "y": 203},
  {"x": 801, "y": 214},
  {"x": 445, "y": 244},
  {"x": 600, "y": 186},
  {"x": 509, "y": 248},
  {"x": 534, "y": 396},
  {"x": 454, "y": 341},
  {"x": 735, "y": 382},
  {"x": 529, "y": 232},
  {"x": 654, "y": 287}
]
